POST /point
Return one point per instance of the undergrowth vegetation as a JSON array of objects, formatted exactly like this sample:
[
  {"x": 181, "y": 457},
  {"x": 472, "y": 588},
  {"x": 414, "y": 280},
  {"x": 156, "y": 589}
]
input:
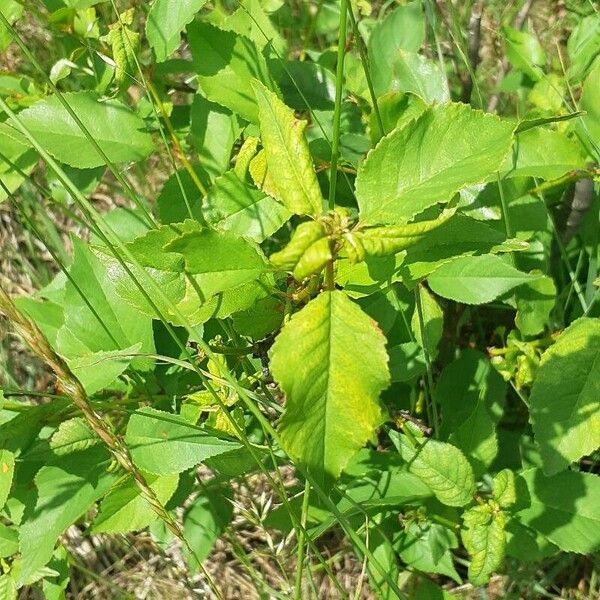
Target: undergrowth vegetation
[{"x": 307, "y": 286}]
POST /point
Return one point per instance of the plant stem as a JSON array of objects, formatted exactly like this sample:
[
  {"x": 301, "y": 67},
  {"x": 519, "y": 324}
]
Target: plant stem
[
  {"x": 337, "y": 114},
  {"x": 301, "y": 534},
  {"x": 329, "y": 277},
  {"x": 429, "y": 387},
  {"x": 364, "y": 59}
]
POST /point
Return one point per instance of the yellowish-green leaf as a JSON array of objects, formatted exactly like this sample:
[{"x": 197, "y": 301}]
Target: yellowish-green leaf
[
  {"x": 485, "y": 540},
  {"x": 7, "y": 470},
  {"x": 124, "y": 43},
  {"x": 381, "y": 241},
  {"x": 331, "y": 410},
  {"x": 565, "y": 399},
  {"x": 504, "y": 488},
  {"x": 288, "y": 159},
  {"x": 307, "y": 253}
]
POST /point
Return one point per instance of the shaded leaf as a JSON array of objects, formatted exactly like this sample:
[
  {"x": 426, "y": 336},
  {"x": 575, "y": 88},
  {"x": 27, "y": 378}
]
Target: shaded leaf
[
  {"x": 66, "y": 488},
  {"x": 165, "y": 22},
  {"x": 226, "y": 64},
  {"x": 564, "y": 508}
]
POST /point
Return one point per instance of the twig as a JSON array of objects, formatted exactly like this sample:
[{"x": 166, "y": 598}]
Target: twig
[{"x": 504, "y": 67}]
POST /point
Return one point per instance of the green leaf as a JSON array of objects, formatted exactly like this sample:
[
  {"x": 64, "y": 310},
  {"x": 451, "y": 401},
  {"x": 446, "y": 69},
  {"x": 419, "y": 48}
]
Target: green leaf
[
  {"x": 525, "y": 52},
  {"x": 329, "y": 413},
  {"x": 7, "y": 470},
  {"x": 543, "y": 153},
  {"x": 124, "y": 44},
  {"x": 232, "y": 205},
  {"x": 396, "y": 110},
  {"x": 485, "y": 541},
  {"x": 477, "y": 439},
  {"x": 428, "y": 161},
  {"x": 163, "y": 443},
  {"x": 12, "y": 10},
  {"x": 463, "y": 384},
  {"x": 99, "y": 370},
  {"x": 16, "y": 160},
  {"x": 213, "y": 131},
  {"x": 230, "y": 273},
  {"x": 564, "y": 405},
  {"x": 97, "y": 321},
  {"x": 416, "y": 74},
  {"x": 204, "y": 521},
  {"x": 125, "y": 509},
  {"x": 504, "y": 488},
  {"x": 66, "y": 488},
  {"x": 442, "y": 466},
  {"x": 288, "y": 159},
  {"x": 426, "y": 547},
  {"x": 583, "y": 46},
  {"x": 118, "y": 132},
  {"x": 307, "y": 252},
  {"x": 8, "y": 585},
  {"x": 433, "y": 321},
  {"x": 589, "y": 127},
  {"x": 401, "y": 29},
  {"x": 458, "y": 236},
  {"x": 9, "y": 541},
  {"x": 535, "y": 301},
  {"x": 564, "y": 508},
  {"x": 251, "y": 19},
  {"x": 219, "y": 260},
  {"x": 165, "y": 22},
  {"x": 226, "y": 64},
  {"x": 73, "y": 435},
  {"x": 476, "y": 279}
]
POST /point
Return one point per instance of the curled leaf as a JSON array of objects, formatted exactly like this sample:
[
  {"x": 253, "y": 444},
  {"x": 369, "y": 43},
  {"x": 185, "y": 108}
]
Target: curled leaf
[{"x": 307, "y": 252}]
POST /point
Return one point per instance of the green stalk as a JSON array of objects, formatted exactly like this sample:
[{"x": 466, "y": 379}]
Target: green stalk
[
  {"x": 429, "y": 386},
  {"x": 590, "y": 288},
  {"x": 300, "y": 562},
  {"x": 337, "y": 114},
  {"x": 364, "y": 59}
]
